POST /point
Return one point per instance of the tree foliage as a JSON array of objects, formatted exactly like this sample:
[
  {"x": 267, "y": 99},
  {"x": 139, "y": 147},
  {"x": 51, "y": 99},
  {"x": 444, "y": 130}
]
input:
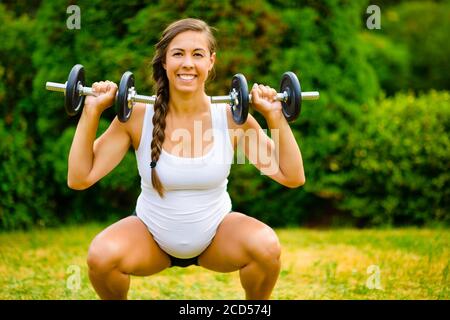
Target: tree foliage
[{"x": 324, "y": 42}]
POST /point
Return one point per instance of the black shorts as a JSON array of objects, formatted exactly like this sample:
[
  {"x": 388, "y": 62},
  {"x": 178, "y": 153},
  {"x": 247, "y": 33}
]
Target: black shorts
[{"x": 177, "y": 262}]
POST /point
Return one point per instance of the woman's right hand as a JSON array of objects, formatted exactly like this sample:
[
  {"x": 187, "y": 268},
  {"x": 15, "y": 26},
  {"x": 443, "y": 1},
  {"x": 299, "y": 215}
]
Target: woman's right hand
[{"x": 105, "y": 97}]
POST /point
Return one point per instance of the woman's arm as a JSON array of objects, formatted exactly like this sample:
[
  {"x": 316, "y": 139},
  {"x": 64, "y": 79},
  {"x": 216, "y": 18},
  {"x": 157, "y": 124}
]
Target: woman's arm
[
  {"x": 290, "y": 157},
  {"x": 91, "y": 160},
  {"x": 278, "y": 157}
]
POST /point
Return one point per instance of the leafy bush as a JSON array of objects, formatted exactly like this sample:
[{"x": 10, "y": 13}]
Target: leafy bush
[
  {"x": 16, "y": 69},
  {"x": 390, "y": 60},
  {"x": 18, "y": 183},
  {"x": 423, "y": 28},
  {"x": 318, "y": 40},
  {"x": 397, "y": 161}
]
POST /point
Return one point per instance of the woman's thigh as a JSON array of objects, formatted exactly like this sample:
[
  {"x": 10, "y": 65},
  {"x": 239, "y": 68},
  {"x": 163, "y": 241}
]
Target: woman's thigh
[
  {"x": 129, "y": 246},
  {"x": 239, "y": 240}
]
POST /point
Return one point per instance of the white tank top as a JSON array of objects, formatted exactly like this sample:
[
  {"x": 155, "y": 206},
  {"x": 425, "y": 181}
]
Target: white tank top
[{"x": 184, "y": 222}]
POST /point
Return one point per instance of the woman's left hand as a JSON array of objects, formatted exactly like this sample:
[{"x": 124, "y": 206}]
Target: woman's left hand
[{"x": 263, "y": 100}]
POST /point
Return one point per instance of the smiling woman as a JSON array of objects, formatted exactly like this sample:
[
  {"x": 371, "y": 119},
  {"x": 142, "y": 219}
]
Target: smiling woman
[
  {"x": 184, "y": 57},
  {"x": 183, "y": 215}
]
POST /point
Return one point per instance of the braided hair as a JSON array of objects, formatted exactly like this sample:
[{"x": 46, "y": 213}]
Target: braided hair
[{"x": 161, "y": 106}]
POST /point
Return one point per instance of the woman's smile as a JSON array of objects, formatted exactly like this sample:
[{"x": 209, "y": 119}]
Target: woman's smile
[{"x": 186, "y": 77}]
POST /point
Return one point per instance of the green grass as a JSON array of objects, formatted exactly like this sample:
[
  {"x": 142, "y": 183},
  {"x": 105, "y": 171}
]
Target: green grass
[{"x": 316, "y": 264}]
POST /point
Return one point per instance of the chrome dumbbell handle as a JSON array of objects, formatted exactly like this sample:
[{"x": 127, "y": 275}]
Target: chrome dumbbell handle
[
  {"x": 311, "y": 95},
  {"x": 87, "y": 91},
  {"x": 61, "y": 87},
  {"x": 134, "y": 97}
]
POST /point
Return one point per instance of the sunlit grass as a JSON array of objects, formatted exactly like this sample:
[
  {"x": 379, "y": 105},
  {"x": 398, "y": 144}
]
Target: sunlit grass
[{"x": 316, "y": 264}]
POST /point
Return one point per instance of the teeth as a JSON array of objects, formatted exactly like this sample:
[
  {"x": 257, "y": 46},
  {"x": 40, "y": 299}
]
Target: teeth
[{"x": 187, "y": 76}]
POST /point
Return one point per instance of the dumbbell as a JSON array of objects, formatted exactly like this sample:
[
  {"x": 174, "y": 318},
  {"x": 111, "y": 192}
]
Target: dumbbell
[
  {"x": 291, "y": 97},
  {"x": 75, "y": 93},
  {"x": 74, "y": 90}
]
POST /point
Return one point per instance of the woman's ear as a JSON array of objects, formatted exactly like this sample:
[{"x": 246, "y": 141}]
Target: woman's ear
[{"x": 212, "y": 60}]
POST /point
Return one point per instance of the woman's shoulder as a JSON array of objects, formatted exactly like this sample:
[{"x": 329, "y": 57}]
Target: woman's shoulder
[
  {"x": 231, "y": 123},
  {"x": 135, "y": 123},
  {"x": 236, "y": 131}
]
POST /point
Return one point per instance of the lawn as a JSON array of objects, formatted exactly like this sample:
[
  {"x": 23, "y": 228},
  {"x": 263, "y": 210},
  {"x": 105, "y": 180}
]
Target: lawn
[{"x": 316, "y": 264}]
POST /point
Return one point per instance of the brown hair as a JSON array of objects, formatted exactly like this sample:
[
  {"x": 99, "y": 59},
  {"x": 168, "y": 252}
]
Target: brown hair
[{"x": 161, "y": 106}]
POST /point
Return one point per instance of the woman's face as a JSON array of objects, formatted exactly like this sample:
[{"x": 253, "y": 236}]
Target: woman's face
[{"x": 188, "y": 61}]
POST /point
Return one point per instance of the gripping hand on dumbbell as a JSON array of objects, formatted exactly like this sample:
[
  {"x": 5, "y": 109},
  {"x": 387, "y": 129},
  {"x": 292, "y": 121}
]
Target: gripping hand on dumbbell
[
  {"x": 98, "y": 98},
  {"x": 103, "y": 98},
  {"x": 264, "y": 101}
]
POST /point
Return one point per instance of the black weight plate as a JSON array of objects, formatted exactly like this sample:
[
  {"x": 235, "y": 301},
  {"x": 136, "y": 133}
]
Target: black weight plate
[
  {"x": 123, "y": 111},
  {"x": 293, "y": 105},
  {"x": 240, "y": 111},
  {"x": 73, "y": 101}
]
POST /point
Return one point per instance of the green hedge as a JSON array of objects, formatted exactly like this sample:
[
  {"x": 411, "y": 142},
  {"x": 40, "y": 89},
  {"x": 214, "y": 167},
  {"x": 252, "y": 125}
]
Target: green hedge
[
  {"x": 397, "y": 162},
  {"x": 321, "y": 41},
  {"x": 423, "y": 27},
  {"x": 19, "y": 201},
  {"x": 390, "y": 60}
]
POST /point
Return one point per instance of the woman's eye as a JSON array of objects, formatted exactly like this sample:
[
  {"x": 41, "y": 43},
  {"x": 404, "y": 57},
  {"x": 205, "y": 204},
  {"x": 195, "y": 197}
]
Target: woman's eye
[{"x": 176, "y": 54}]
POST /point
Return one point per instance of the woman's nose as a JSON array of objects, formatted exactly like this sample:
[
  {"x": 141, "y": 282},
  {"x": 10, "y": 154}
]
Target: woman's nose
[{"x": 187, "y": 62}]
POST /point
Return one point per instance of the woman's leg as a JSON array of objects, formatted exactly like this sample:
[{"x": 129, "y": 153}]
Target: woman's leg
[
  {"x": 123, "y": 249},
  {"x": 246, "y": 244}
]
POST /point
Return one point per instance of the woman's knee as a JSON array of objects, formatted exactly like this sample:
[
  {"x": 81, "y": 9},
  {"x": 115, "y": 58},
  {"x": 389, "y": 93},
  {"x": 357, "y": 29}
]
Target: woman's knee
[
  {"x": 265, "y": 247},
  {"x": 103, "y": 255}
]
